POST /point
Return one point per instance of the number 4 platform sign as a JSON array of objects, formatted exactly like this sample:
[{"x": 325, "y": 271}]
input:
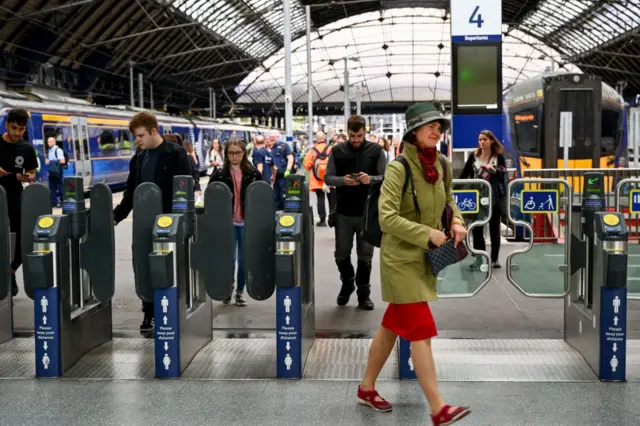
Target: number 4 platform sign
[{"x": 476, "y": 21}]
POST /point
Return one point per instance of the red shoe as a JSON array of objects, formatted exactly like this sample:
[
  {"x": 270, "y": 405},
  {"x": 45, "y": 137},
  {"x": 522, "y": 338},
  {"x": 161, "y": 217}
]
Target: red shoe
[
  {"x": 444, "y": 417},
  {"x": 373, "y": 400}
]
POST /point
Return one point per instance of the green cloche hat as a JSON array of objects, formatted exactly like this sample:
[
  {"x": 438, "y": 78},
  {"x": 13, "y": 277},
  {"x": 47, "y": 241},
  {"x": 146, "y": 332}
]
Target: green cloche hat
[{"x": 423, "y": 113}]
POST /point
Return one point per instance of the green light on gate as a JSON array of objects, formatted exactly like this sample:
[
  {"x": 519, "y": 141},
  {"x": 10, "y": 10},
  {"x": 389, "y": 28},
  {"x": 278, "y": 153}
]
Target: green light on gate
[{"x": 465, "y": 75}]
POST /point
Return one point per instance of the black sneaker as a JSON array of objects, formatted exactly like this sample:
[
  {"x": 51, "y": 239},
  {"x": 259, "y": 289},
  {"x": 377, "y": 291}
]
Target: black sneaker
[
  {"x": 14, "y": 286},
  {"x": 147, "y": 323},
  {"x": 322, "y": 223},
  {"x": 496, "y": 265},
  {"x": 345, "y": 295}
]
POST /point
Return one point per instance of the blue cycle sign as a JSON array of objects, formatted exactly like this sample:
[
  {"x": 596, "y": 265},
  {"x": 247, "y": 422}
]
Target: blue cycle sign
[
  {"x": 539, "y": 201},
  {"x": 468, "y": 201}
]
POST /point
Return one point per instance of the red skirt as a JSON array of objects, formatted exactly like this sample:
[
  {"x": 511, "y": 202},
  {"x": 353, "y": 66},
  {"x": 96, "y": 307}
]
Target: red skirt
[{"x": 411, "y": 321}]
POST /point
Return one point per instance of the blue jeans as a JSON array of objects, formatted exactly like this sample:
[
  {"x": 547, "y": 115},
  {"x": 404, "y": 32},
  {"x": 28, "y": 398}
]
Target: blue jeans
[{"x": 238, "y": 244}]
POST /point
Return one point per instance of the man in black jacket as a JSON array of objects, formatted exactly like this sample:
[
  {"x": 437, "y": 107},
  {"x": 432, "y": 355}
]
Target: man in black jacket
[
  {"x": 156, "y": 161},
  {"x": 352, "y": 167}
]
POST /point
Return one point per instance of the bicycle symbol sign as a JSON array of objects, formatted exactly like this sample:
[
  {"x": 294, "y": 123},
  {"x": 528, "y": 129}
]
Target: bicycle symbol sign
[
  {"x": 541, "y": 201},
  {"x": 467, "y": 201}
]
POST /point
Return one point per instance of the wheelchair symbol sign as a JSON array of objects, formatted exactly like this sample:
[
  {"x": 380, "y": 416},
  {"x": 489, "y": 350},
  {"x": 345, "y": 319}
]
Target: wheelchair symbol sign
[
  {"x": 541, "y": 201},
  {"x": 468, "y": 201}
]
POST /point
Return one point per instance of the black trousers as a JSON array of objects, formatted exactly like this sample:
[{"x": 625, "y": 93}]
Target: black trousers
[
  {"x": 322, "y": 208},
  {"x": 15, "y": 224},
  {"x": 494, "y": 233}
]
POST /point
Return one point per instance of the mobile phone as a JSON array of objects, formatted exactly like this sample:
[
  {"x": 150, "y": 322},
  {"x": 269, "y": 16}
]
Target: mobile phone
[{"x": 354, "y": 176}]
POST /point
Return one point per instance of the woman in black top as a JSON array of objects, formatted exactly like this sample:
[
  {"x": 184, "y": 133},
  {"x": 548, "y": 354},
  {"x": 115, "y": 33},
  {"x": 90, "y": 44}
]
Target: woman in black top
[{"x": 488, "y": 163}]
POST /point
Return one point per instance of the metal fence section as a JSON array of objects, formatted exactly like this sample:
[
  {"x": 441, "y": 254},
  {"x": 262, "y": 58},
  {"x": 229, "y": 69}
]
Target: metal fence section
[
  {"x": 468, "y": 277},
  {"x": 575, "y": 178},
  {"x": 627, "y": 201},
  {"x": 542, "y": 270}
]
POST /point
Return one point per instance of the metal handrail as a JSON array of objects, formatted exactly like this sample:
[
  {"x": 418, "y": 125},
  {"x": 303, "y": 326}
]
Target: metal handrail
[
  {"x": 485, "y": 254},
  {"x": 567, "y": 239},
  {"x": 617, "y": 206}
]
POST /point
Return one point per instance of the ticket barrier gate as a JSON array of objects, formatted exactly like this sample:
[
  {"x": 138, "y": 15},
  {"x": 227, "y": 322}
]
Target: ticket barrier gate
[
  {"x": 595, "y": 312},
  {"x": 283, "y": 264},
  {"x": 69, "y": 272},
  {"x": 475, "y": 202},
  {"x": 7, "y": 244},
  {"x": 172, "y": 260}
]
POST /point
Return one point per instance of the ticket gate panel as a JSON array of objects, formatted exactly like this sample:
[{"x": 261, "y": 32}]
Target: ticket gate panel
[
  {"x": 5, "y": 247},
  {"x": 36, "y": 202},
  {"x": 147, "y": 205},
  {"x": 215, "y": 261},
  {"x": 259, "y": 240},
  {"x": 101, "y": 265}
]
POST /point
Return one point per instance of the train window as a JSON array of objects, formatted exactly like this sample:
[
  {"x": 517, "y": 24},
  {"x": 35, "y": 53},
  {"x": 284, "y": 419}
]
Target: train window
[
  {"x": 610, "y": 128},
  {"x": 107, "y": 142},
  {"x": 55, "y": 132},
  {"x": 580, "y": 104},
  {"x": 525, "y": 125},
  {"x": 124, "y": 142}
]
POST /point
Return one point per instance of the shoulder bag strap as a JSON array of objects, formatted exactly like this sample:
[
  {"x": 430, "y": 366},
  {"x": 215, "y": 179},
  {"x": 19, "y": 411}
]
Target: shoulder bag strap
[{"x": 409, "y": 179}]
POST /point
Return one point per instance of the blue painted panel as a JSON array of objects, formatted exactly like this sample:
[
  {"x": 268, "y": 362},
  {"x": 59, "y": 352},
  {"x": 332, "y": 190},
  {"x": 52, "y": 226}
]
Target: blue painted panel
[
  {"x": 613, "y": 333},
  {"x": 477, "y": 39},
  {"x": 404, "y": 360},
  {"x": 167, "y": 333},
  {"x": 466, "y": 129},
  {"x": 289, "y": 330},
  {"x": 47, "y": 332}
]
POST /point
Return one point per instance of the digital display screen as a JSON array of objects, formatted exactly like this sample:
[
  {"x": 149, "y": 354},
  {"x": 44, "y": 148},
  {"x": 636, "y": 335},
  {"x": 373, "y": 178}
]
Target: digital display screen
[
  {"x": 293, "y": 205},
  {"x": 69, "y": 206},
  {"x": 477, "y": 78},
  {"x": 179, "y": 205},
  {"x": 594, "y": 203},
  {"x": 294, "y": 186}
]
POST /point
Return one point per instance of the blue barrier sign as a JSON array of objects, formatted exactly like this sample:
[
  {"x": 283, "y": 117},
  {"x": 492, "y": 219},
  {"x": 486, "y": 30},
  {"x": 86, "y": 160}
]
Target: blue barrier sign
[
  {"x": 613, "y": 333},
  {"x": 634, "y": 201},
  {"x": 468, "y": 201},
  {"x": 167, "y": 332},
  {"x": 539, "y": 201},
  {"x": 46, "y": 304},
  {"x": 289, "y": 330},
  {"x": 404, "y": 360}
]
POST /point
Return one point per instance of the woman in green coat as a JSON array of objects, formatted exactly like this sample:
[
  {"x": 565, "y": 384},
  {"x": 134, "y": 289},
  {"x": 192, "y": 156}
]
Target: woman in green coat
[{"x": 407, "y": 281}]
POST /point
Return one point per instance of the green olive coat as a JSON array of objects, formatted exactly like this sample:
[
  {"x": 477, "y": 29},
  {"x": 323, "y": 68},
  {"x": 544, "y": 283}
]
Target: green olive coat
[{"x": 405, "y": 276}]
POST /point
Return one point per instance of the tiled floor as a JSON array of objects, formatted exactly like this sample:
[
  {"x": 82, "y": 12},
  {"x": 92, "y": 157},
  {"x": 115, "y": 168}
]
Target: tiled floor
[{"x": 153, "y": 402}]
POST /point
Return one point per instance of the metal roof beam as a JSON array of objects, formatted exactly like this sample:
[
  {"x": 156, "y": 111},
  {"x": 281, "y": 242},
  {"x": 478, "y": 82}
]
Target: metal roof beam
[
  {"x": 143, "y": 33},
  {"x": 51, "y": 9}
]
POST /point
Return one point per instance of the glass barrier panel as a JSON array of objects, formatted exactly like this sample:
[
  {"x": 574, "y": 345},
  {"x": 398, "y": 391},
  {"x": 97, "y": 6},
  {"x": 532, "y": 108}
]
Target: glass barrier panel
[
  {"x": 628, "y": 203},
  {"x": 467, "y": 277}
]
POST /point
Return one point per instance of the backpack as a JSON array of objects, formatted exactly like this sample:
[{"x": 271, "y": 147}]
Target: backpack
[
  {"x": 320, "y": 163},
  {"x": 66, "y": 158},
  {"x": 371, "y": 232}
]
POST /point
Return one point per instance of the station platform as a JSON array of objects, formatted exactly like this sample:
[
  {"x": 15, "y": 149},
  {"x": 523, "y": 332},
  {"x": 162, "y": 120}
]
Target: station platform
[{"x": 499, "y": 351}]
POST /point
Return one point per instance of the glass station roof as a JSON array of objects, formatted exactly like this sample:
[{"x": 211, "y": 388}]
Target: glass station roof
[{"x": 406, "y": 56}]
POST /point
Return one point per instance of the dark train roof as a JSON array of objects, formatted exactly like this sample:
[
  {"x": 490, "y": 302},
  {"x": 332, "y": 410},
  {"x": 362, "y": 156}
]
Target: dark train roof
[{"x": 184, "y": 47}]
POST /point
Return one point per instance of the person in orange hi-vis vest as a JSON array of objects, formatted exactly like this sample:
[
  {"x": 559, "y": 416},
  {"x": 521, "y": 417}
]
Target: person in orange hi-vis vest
[{"x": 316, "y": 163}]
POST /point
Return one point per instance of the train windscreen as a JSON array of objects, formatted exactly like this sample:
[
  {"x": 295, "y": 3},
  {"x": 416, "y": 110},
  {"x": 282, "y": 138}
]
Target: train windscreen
[
  {"x": 525, "y": 124},
  {"x": 580, "y": 104}
]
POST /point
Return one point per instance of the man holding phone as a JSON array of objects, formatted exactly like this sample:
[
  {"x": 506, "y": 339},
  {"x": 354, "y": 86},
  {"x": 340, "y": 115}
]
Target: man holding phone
[
  {"x": 18, "y": 164},
  {"x": 352, "y": 167}
]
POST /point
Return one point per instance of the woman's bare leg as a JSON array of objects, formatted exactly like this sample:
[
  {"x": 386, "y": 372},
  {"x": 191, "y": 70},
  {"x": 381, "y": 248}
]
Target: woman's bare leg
[
  {"x": 379, "y": 352},
  {"x": 425, "y": 369}
]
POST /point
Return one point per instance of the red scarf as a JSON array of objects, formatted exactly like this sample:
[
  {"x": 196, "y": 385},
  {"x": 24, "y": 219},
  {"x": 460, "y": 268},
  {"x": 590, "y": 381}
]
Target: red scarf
[{"x": 428, "y": 157}]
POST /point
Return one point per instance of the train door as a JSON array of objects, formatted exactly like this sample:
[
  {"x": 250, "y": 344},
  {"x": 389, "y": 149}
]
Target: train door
[{"x": 80, "y": 137}]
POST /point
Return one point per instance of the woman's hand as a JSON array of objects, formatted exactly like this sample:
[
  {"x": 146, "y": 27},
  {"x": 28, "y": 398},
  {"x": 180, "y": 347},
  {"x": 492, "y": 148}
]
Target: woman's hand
[
  {"x": 459, "y": 233},
  {"x": 437, "y": 238}
]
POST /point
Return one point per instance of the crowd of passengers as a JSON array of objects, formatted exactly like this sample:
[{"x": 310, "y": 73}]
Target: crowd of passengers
[{"x": 343, "y": 167}]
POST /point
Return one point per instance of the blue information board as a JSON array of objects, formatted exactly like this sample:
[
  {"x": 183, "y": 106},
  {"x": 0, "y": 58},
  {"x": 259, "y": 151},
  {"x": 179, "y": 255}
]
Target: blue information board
[
  {"x": 167, "y": 332},
  {"x": 404, "y": 360},
  {"x": 539, "y": 201},
  {"x": 289, "y": 331},
  {"x": 468, "y": 201},
  {"x": 613, "y": 333},
  {"x": 46, "y": 304},
  {"x": 634, "y": 201}
]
